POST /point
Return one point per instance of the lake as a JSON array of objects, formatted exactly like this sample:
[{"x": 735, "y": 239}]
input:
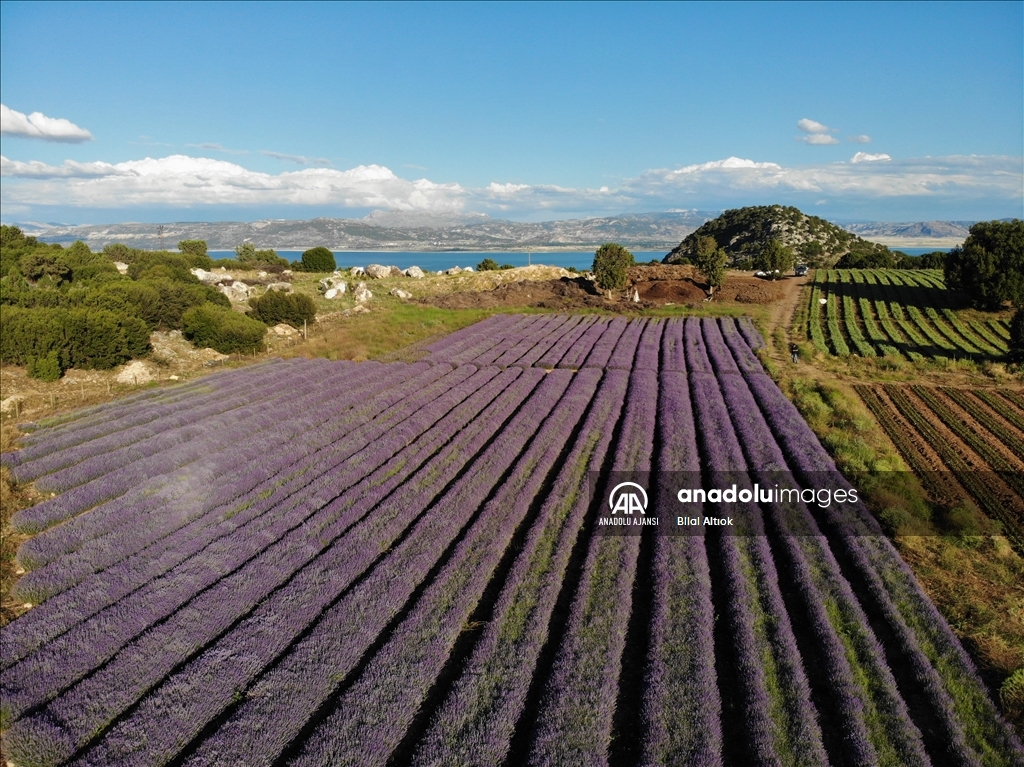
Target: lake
[{"x": 439, "y": 261}]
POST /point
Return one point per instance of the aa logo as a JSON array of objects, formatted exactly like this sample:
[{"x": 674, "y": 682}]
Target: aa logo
[{"x": 626, "y": 500}]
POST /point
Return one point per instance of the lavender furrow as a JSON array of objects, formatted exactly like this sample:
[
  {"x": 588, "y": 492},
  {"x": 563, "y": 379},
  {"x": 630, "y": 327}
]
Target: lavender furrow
[
  {"x": 697, "y": 360},
  {"x": 600, "y": 355},
  {"x": 150, "y": 497},
  {"x": 681, "y": 705},
  {"x": 442, "y": 349},
  {"x": 167, "y": 719},
  {"x": 625, "y": 349},
  {"x": 118, "y": 625},
  {"x": 530, "y": 325},
  {"x": 673, "y": 351},
  {"x": 341, "y": 449},
  {"x": 746, "y": 327},
  {"x": 50, "y": 439},
  {"x": 420, "y": 645},
  {"x": 574, "y": 725},
  {"x": 649, "y": 347},
  {"x": 574, "y": 356},
  {"x": 552, "y": 356},
  {"x": 543, "y": 333},
  {"x": 492, "y": 345},
  {"x": 745, "y": 358},
  {"x": 543, "y": 346},
  {"x": 718, "y": 353},
  {"x": 476, "y": 722},
  {"x": 97, "y": 699}
]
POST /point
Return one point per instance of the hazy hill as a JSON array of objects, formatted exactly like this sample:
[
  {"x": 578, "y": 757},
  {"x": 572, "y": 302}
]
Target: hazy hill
[
  {"x": 958, "y": 229},
  {"x": 743, "y": 231},
  {"x": 394, "y": 230}
]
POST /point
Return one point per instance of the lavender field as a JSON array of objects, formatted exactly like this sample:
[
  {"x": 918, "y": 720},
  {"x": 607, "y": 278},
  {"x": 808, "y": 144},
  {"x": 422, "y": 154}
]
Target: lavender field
[{"x": 330, "y": 563}]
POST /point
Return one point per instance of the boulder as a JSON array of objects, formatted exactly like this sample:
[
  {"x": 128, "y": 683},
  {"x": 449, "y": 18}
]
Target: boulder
[
  {"x": 236, "y": 291},
  {"x": 415, "y": 272},
  {"x": 205, "y": 277},
  {"x": 378, "y": 272},
  {"x": 284, "y": 330},
  {"x": 122, "y": 267},
  {"x": 396, "y": 272},
  {"x": 405, "y": 295},
  {"x": 362, "y": 294},
  {"x": 284, "y": 286},
  {"x": 453, "y": 270},
  {"x": 357, "y": 270},
  {"x": 357, "y": 309},
  {"x": 333, "y": 293},
  {"x": 136, "y": 373}
]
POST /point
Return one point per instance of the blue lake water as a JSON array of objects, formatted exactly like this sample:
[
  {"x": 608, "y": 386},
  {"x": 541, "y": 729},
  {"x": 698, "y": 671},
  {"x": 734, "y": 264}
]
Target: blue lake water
[
  {"x": 435, "y": 261},
  {"x": 917, "y": 251}
]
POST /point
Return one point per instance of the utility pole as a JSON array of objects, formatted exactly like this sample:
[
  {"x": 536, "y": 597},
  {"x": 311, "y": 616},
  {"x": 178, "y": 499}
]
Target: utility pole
[{"x": 160, "y": 234}]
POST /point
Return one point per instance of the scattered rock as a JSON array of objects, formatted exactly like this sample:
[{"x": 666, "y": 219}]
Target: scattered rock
[
  {"x": 396, "y": 272},
  {"x": 337, "y": 292},
  {"x": 403, "y": 294},
  {"x": 11, "y": 404},
  {"x": 357, "y": 309},
  {"x": 237, "y": 291},
  {"x": 454, "y": 270},
  {"x": 284, "y": 330},
  {"x": 378, "y": 272},
  {"x": 136, "y": 372},
  {"x": 362, "y": 294},
  {"x": 357, "y": 270},
  {"x": 415, "y": 272},
  {"x": 121, "y": 266},
  {"x": 282, "y": 286},
  {"x": 261, "y": 274}
]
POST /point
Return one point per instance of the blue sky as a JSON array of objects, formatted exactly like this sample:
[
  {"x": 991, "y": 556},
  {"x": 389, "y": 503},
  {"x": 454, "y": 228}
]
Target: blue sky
[{"x": 881, "y": 111}]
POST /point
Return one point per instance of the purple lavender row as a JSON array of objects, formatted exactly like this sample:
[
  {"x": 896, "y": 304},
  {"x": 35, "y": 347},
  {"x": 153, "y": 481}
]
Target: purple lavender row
[
  {"x": 577, "y": 353},
  {"x": 140, "y": 411},
  {"x": 889, "y": 727},
  {"x": 648, "y": 351},
  {"x": 957, "y": 693},
  {"x": 375, "y": 706},
  {"x": 163, "y": 484},
  {"x": 681, "y": 706},
  {"x": 574, "y": 725},
  {"x": 475, "y": 724},
  {"x": 151, "y": 604},
  {"x": 693, "y": 341},
  {"x": 98, "y": 698},
  {"x": 625, "y": 349},
  {"x": 172, "y": 715},
  {"x": 521, "y": 339},
  {"x": 673, "y": 351},
  {"x": 277, "y": 479},
  {"x": 536, "y": 344},
  {"x": 460, "y": 339},
  {"x": 560, "y": 348},
  {"x": 469, "y": 352},
  {"x": 96, "y": 592},
  {"x": 74, "y": 465},
  {"x": 739, "y": 345},
  {"x": 543, "y": 347},
  {"x": 601, "y": 354},
  {"x": 718, "y": 353},
  {"x": 746, "y": 328}
]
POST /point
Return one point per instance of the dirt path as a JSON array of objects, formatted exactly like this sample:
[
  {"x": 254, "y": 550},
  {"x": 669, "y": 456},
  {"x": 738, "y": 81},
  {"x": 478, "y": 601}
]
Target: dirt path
[{"x": 782, "y": 312}]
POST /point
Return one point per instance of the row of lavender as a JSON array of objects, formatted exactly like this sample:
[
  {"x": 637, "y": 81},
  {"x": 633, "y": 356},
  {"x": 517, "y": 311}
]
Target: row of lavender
[{"x": 401, "y": 565}]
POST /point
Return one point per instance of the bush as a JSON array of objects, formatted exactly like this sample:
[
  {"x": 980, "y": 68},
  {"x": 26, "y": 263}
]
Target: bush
[
  {"x": 318, "y": 260},
  {"x": 276, "y": 306},
  {"x": 611, "y": 266},
  {"x": 193, "y": 247},
  {"x": 226, "y": 331},
  {"x": 46, "y": 368},
  {"x": 487, "y": 265},
  {"x": 1017, "y": 334},
  {"x": 176, "y": 298}
]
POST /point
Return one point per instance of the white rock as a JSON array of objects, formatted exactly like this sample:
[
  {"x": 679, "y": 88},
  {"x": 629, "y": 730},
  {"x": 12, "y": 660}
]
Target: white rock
[
  {"x": 11, "y": 404},
  {"x": 468, "y": 269},
  {"x": 121, "y": 266},
  {"x": 284, "y": 329},
  {"x": 357, "y": 309},
  {"x": 378, "y": 272},
  {"x": 395, "y": 272},
  {"x": 362, "y": 294},
  {"x": 454, "y": 270},
  {"x": 236, "y": 291},
  {"x": 333, "y": 293},
  {"x": 261, "y": 274},
  {"x": 415, "y": 272},
  {"x": 403, "y": 294},
  {"x": 136, "y": 372},
  {"x": 357, "y": 270},
  {"x": 285, "y": 286}
]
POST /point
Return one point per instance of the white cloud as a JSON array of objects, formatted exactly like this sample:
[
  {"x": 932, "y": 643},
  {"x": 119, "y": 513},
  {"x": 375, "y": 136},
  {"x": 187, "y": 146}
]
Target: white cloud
[
  {"x": 812, "y": 126},
  {"x": 818, "y": 139},
  {"x": 865, "y": 157},
  {"x": 298, "y": 159},
  {"x": 210, "y": 146},
  {"x": 861, "y": 139},
  {"x": 38, "y": 125},
  {"x": 185, "y": 181}
]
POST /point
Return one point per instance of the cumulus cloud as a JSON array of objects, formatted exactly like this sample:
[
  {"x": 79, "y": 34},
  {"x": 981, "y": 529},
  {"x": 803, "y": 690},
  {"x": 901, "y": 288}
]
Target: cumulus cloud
[
  {"x": 38, "y": 125},
  {"x": 298, "y": 159},
  {"x": 812, "y": 126},
  {"x": 818, "y": 139},
  {"x": 861, "y": 139},
  {"x": 865, "y": 157},
  {"x": 179, "y": 180}
]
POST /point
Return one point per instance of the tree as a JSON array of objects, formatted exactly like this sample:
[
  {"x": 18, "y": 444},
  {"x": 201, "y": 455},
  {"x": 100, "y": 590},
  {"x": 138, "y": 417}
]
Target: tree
[
  {"x": 246, "y": 253},
  {"x": 318, "y": 260},
  {"x": 193, "y": 247},
  {"x": 775, "y": 258},
  {"x": 611, "y": 266},
  {"x": 276, "y": 306},
  {"x": 487, "y": 265},
  {"x": 710, "y": 262},
  {"x": 989, "y": 266},
  {"x": 1017, "y": 334}
]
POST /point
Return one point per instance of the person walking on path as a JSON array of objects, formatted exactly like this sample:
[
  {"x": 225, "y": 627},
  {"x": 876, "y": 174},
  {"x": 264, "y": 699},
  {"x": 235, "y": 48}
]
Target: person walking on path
[{"x": 795, "y": 351}]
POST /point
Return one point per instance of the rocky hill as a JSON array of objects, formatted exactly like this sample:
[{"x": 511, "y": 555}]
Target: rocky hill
[
  {"x": 390, "y": 230},
  {"x": 743, "y": 231}
]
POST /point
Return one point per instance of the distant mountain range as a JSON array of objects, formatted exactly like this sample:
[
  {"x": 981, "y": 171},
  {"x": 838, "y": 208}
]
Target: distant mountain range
[{"x": 397, "y": 230}]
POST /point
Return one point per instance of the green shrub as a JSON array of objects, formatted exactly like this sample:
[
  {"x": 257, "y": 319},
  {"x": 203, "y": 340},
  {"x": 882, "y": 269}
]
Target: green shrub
[
  {"x": 193, "y": 248},
  {"x": 318, "y": 260},
  {"x": 487, "y": 265},
  {"x": 176, "y": 298},
  {"x": 611, "y": 266},
  {"x": 46, "y": 368},
  {"x": 222, "y": 329},
  {"x": 276, "y": 306}
]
